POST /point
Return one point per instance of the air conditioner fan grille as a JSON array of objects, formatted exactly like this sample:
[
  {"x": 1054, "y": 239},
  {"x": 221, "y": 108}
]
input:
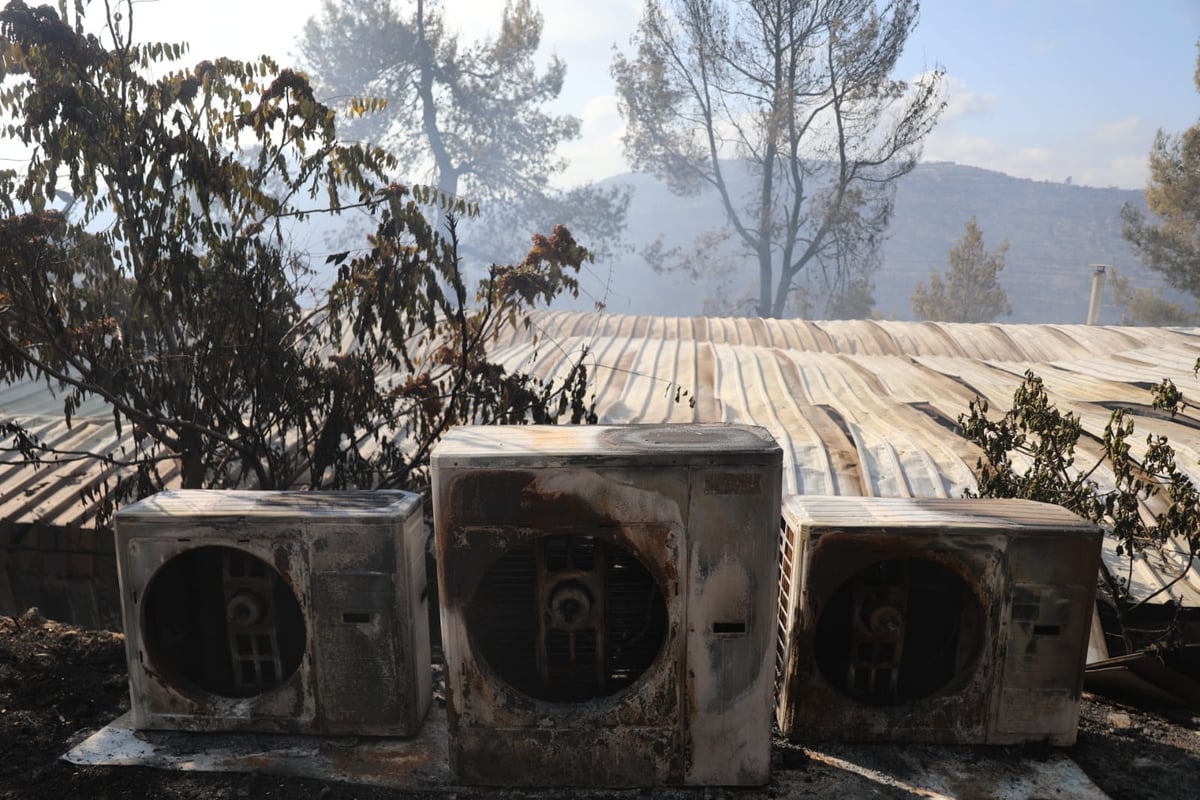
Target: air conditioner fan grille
[
  {"x": 567, "y": 618},
  {"x": 223, "y": 621},
  {"x": 898, "y": 630}
]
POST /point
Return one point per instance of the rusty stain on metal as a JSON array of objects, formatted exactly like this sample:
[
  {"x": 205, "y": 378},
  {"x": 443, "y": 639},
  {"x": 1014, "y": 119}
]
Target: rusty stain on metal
[
  {"x": 953, "y": 621},
  {"x": 608, "y": 603}
]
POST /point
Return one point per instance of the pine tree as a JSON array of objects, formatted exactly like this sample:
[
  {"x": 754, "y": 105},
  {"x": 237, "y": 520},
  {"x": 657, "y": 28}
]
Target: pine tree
[
  {"x": 798, "y": 94},
  {"x": 970, "y": 291},
  {"x": 468, "y": 118},
  {"x": 1171, "y": 247}
]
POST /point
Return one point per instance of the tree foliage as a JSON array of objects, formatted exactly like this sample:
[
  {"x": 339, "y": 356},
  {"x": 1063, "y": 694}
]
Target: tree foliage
[
  {"x": 797, "y": 92},
  {"x": 168, "y": 291},
  {"x": 1115, "y": 490},
  {"x": 470, "y": 117},
  {"x": 1171, "y": 247},
  {"x": 1148, "y": 306},
  {"x": 971, "y": 291}
]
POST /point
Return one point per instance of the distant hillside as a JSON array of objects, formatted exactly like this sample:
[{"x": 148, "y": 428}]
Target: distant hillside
[{"x": 1054, "y": 231}]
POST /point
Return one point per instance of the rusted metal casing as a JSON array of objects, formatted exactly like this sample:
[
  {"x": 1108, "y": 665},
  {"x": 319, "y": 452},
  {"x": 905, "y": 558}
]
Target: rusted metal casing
[
  {"x": 298, "y": 612},
  {"x": 933, "y": 620},
  {"x": 608, "y": 603}
]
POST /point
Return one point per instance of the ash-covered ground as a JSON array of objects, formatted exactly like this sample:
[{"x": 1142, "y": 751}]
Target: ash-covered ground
[{"x": 59, "y": 683}]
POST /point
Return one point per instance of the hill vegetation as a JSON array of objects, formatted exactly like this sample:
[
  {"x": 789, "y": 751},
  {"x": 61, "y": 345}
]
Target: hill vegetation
[{"x": 1055, "y": 231}]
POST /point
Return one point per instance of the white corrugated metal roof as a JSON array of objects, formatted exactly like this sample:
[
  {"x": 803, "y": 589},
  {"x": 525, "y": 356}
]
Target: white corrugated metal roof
[
  {"x": 860, "y": 407},
  {"x": 871, "y": 407}
]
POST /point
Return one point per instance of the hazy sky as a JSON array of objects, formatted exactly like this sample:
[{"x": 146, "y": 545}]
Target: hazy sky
[{"x": 1044, "y": 89}]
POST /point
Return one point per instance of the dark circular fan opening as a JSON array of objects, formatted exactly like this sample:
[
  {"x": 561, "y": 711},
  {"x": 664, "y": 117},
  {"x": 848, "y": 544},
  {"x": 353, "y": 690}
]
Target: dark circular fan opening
[
  {"x": 898, "y": 631},
  {"x": 223, "y": 621},
  {"x": 568, "y": 618}
]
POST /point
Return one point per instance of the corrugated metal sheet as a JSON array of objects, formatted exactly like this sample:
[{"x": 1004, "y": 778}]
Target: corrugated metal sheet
[
  {"x": 50, "y": 494},
  {"x": 860, "y": 407}
]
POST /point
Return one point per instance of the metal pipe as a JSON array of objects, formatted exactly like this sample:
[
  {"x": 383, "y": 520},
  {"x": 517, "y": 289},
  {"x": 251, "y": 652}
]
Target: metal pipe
[{"x": 1097, "y": 301}]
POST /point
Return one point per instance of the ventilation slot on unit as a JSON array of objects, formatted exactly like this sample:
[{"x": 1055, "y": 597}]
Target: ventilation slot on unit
[
  {"x": 898, "y": 631},
  {"x": 223, "y": 621},
  {"x": 787, "y": 555},
  {"x": 568, "y": 618}
]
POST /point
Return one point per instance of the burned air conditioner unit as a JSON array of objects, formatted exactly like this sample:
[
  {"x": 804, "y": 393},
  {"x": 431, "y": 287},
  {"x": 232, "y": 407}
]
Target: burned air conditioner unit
[
  {"x": 301, "y": 612},
  {"x": 608, "y": 602},
  {"x": 961, "y": 621}
]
